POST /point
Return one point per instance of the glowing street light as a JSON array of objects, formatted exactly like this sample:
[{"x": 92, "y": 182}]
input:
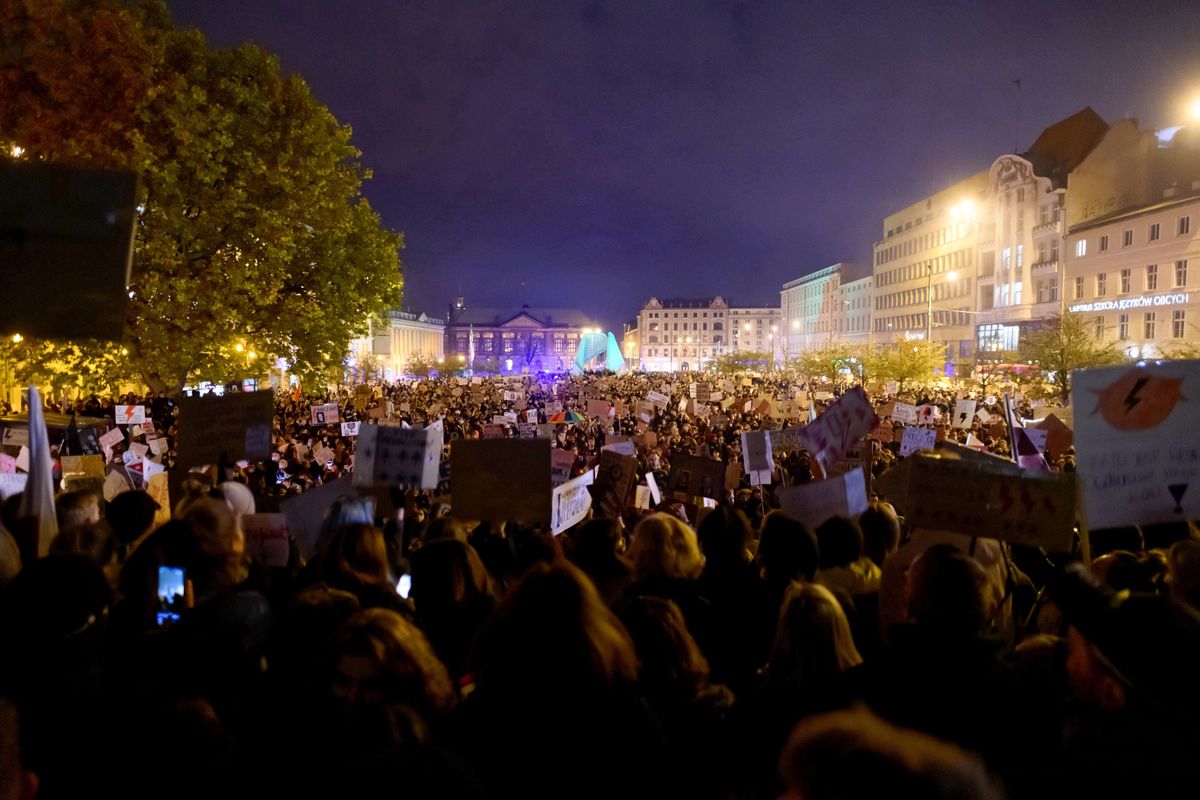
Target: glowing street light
[{"x": 17, "y": 338}]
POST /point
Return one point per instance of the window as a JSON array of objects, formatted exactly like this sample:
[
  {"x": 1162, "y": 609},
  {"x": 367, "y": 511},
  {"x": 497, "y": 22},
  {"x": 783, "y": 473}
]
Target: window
[
  {"x": 1099, "y": 328},
  {"x": 1185, "y": 226},
  {"x": 1079, "y": 288},
  {"x": 1054, "y": 250},
  {"x": 1101, "y": 284},
  {"x": 1020, "y": 256},
  {"x": 1149, "y": 325},
  {"x": 1045, "y": 214},
  {"x": 1125, "y": 273},
  {"x": 1152, "y": 278},
  {"x": 1103, "y": 243},
  {"x": 1017, "y": 293},
  {"x": 1181, "y": 273},
  {"x": 1177, "y": 320},
  {"x": 1006, "y": 259},
  {"x": 1127, "y": 238},
  {"x": 1123, "y": 327},
  {"x": 1081, "y": 248},
  {"x": 1155, "y": 230},
  {"x": 653, "y": 326}
]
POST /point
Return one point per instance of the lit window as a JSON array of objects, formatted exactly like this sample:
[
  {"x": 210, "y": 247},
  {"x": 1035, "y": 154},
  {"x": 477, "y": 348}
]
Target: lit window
[{"x": 1081, "y": 248}]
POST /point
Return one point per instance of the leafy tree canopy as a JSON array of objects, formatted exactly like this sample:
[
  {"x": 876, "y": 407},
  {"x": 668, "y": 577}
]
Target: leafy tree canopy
[
  {"x": 1067, "y": 342},
  {"x": 253, "y": 229}
]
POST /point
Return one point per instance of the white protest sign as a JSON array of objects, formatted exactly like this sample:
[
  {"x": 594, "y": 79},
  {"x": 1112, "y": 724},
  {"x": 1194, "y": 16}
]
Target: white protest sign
[
  {"x": 917, "y": 439},
  {"x": 527, "y": 430},
  {"x": 114, "y": 484},
  {"x": 23, "y": 459},
  {"x": 756, "y": 452},
  {"x": 350, "y": 428},
  {"x": 113, "y": 438},
  {"x": 324, "y": 414},
  {"x": 8, "y": 464},
  {"x": 1038, "y": 436},
  {"x": 1137, "y": 443},
  {"x": 652, "y": 485},
  {"x": 813, "y": 503},
  {"x": 658, "y": 399},
  {"x": 964, "y": 413},
  {"x": 561, "y": 462},
  {"x": 927, "y": 413},
  {"x": 130, "y": 415},
  {"x": 151, "y": 468},
  {"x": 641, "y": 497},
  {"x": 570, "y": 503},
  {"x": 621, "y": 445},
  {"x": 983, "y": 416},
  {"x": 389, "y": 456},
  {"x": 905, "y": 413},
  {"x": 892, "y": 388},
  {"x": 12, "y": 483},
  {"x": 138, "y": 449}
]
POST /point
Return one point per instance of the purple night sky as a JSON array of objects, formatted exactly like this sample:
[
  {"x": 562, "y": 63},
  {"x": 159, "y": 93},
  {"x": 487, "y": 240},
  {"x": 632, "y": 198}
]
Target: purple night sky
[{"x": 592, "y": 154}]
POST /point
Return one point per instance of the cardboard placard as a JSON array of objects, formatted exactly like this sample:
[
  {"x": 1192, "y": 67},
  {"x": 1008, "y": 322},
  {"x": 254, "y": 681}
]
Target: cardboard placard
[
  {"x": 306, "y": 512},
  {"x": 130, "y": 415},
  {"x": 756, "y": 452},
  {"x": 570, "y": 504},
  {"x": 695, "y": 476},
  {"x": 786, "y": 440},
  {"x": 236, "y": 424},
  {"x": 388, "y": 456},
  {"x": 657, "y": 399},
  {"x": 1137, "y": 443},
  {"x": 813, "y": 503},
  {"x": 561, "y": 462},
  {"x": 15, "y": 437},
  {"x": 905, "y": 413},
  {"x": 964, "y": 413},
  {"x": 501, "y": 479},
  {"x": 615, "y": 477},
  {"x": 160, "y": 492},
  {"x": 82, "y": 467},
  {"x": 892, "y": 388},
  {"x": 835, "y": 431},
  {"x": 112, "y": 438},
  {"x": 267, "y": 538},
  {"x": 325, "y": 414},
  {"x": 159, "y": 446},
  {"x": 492, "y": 430},
  {"x": 362, "y": 397},
  {"x": 350, "y": 428},
  {"x": 915, "y": 439}
]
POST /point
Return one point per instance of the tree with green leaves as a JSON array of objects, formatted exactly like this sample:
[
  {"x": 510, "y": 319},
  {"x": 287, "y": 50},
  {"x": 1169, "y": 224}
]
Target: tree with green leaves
[
  {"x": 908, "y": 362},
  {"x": 740, "y": 361},
  {"x": 252, "y": 231},
  {"x": 1065, "y": 343}
]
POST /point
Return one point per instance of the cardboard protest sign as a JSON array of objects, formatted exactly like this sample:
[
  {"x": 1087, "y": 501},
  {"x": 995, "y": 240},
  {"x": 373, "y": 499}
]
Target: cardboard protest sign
[
  {"x": 362, "y": 397},
  {"x": 15, "y": 437},
  {"x": 756, "y": 452},
  {"x": 545, "y": 430},
  {"x": 975, "y": 498},
  {"x": 652, "y": 485},
  {"x": 570, "y": 504},
  {"x": 527, "y": 430},
  {"x": 237, "y": 425},
  {"x": 22, "y": 460},
  {"x": 657, "y": 399},
  {"x": 12, "y": 483},
  {"x": 561, "y": 462},
  {"x": 82, "y": 467},
  {"x": 786, "y": 440},
  {"x": 620, "y": 444},
  {"x": 645, "y": 411},
  {"x": 136, "y": 430},
  {"x": 350, "y": 428},
  {"x": 130, "y": 415},
  {"x": 927, "y": 414},
  {"x": 501, "y": 479},
  {"x": 112, "y": 438},
  {"x": 983, "y": 416},
  {"x": 389, "y": 456},
  {"x": 615, "y": 478},
  {"x": 160, "y": 492},
  {"x": 138, "y": 449},
  {"x": 1137, "y": 443},
  {"x": 915, "y": 439},
  {"x": 813, "y": 503},
  {"x": 305, "y": 512},
  {"x": 905, "y": 413},
  {"x": 892, "y": 388},
  {"x": 267, "y": 538},
  {"x": 695, "y": 476},
  {"x": 325, "y": 414},
  {"x": 493, "y": 431},
  {"x": 1059, "y": 437},
  {"x": 835, "y": 431},
  {"x": 964, "y": 413},
  {"x": 114, "y": 484},
  {"x": 1038, "y": 437},
  {"x": 159, "y": 446}
]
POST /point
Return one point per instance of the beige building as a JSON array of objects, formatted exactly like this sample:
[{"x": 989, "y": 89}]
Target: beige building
[
  {"x": 854, "y": 318},
  {"x": 808, "y": 307},
  {"x": 682, "y": 333},
  {"x": 398, "y": 338},
  {"x": 757, "y": 330},
  {"x": 1132, "y": 251}
]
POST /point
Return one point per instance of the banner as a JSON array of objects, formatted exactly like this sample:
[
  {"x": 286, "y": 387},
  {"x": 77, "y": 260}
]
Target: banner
[
  {"x": 570, "y": 504},
  {"x": 388, "y": 456},
  {"x": 813, "y": 503},
  {"x": 1137, "y": 443},
  {"x": 237, "y": 425}
]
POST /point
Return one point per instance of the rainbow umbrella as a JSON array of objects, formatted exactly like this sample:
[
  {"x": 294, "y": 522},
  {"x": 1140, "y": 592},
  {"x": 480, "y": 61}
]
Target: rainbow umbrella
[{"x": 567, "y": 418}]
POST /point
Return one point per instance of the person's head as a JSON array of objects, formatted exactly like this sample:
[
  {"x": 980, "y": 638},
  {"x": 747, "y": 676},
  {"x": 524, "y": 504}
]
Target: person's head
[
  {"x": 880, "y": 530},
  {"x": 380, "y": 658},
  {"x": 672, "y": 666},
  {"x": 813, "y": 639},
  {"x": 725, "y": 536},
  {"x": 598, "y": 543},
  {"x": 93, "y": 541},
  {"x": 664, "y": 548},
  {"x": 355, "y": 551},
  {"x": 445, "y": 528},
  {"x": 589, "y": 649},
  {"x": 310, "y": 624},
  {"x": 446, "y": 574},
  {"x": 131, "y": 514},
  {"x": 787, "y": 549},
  {"x": 215, "y": 563},
  {"x": 80, "y": 507},
  {"x": 839, "y": 541},
  {"x": 948, "y": 591},
  {"x": 854, "y": 754},
  {"x": 1135, "y": 572},
  {"x": 345, "y": 511}
]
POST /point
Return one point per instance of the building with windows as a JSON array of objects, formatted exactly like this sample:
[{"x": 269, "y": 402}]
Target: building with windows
[
  {"x": 682, "y": 333},
  {"x": 1132, "y": 247},
  {"x": 396, "y": 339},
  {"x": 756, "y": 330},
  {"x": 807, "y": 306},
  {"x": 518, "y": 340},
  {"x": 853, "y": 320}
]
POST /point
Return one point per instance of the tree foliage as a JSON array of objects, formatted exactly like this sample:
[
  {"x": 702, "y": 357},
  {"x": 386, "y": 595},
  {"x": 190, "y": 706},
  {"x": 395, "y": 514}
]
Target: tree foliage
[
  {"x": 907, "y": 362},
  {"x": 253, "y": 226},
  {"x": 1066, "y": 343},
  {"x": 740, "y": 361}
]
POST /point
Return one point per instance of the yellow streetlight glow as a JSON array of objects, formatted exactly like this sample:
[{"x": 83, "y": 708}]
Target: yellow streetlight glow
[
  {"x": 17, "y": 151},
  {"x": 124, "y": 351},
  {"x": 951, "y": 275},
  {"x": 239, "y": 347},
  {"x": 17, "y": 338},
  {"x": 746, "y": 327},
  {"x": 252, "y": 355},
  {"x": 1194, "y": 109}
]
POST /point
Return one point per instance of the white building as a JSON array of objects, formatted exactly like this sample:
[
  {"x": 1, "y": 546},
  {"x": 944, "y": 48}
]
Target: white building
[
  {"x": 756, "y": 330},
  {"x": 398, "y": 338},
  {"x": 854, "y": 318},
  {"x": 677, "y": 334},
  {"x": 808, "y": 308}
]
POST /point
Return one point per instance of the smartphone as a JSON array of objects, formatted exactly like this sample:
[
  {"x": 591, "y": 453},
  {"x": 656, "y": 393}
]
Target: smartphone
[
  {"x": 404, "y": 586},
  {"x": 170, "y": 594}
]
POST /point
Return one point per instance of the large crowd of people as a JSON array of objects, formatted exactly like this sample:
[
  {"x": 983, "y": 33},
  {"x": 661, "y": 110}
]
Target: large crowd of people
[{"x": 681, "y": 648}]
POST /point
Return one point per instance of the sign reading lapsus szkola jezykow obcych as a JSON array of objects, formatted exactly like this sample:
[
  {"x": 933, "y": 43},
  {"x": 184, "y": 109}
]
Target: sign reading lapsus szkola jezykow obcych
[{"x": 1137, "y": 442}]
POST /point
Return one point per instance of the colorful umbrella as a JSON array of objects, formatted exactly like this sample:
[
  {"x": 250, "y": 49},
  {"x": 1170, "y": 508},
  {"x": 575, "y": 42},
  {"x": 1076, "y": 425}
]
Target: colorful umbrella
[{"x": 567, "y": 418}]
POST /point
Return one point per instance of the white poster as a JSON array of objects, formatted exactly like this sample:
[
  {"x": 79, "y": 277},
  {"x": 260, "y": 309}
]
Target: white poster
[
  {"x": 917, "y": 439},
  {"x": 388, "y": 456},
  {"x": 813, "y": 503},
  {"x": 570, "y": 503},
  {"x": 905, "y": 413},
  {"x": 756, "y": 452},
  {"x": 130, "y": 415},
  {"x": 964, "y": 413},
  {"x": 350, "y": 428}
]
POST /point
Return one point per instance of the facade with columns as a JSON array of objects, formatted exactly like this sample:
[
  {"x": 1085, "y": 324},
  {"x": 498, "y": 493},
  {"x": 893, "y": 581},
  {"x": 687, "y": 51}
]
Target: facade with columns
[{"x": 398, "y": 338}]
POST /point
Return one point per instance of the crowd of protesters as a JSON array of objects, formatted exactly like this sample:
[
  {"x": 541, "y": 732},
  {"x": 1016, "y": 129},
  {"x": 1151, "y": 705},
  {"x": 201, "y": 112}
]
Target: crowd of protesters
[{"x": 671, "y": 651}]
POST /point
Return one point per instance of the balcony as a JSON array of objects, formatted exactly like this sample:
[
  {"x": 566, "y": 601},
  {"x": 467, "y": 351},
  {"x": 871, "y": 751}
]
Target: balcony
[
  {"x": 988, "y": 278},
  {"x": 1054, "y": 226},
  {"x": 1044, "y": 267}
]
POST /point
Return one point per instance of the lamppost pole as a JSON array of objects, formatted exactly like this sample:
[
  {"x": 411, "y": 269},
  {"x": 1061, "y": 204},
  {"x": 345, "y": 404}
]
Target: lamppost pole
[{"x": 929, "y": 302}]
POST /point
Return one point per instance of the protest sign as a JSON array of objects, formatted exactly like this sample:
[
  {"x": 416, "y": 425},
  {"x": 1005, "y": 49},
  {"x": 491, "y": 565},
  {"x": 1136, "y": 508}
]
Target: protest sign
[
  {"x": 620, "y": 444},
  {"x": 892, "y": 388},
  {"x": 646, "y": 410},
  {"x": 325, "y": 414},
  {"x": 964, "y": 413},
  {"x": 927, "y": 414},
  {"x": 159, "y": 446},
  {"x": 561, "y": 462},
  {"x": 983, "y": 416},
  {"x": 8, "y": 464},
  {"x": 22, "y": 460},
  {"x": 114, "y": 484},
  {"x": 138, "y": 449},
  {"x": 657, "y": 399},
  {"x": 136, "y": 430},
  {"x": 835, "y": 431},
  {"x": 12, "y": 483},
  {"x": 915, "y": 439},
  {"x": 1038, "y": 437},
  {"x": 652, "y": 485},
  {"x": 237, "y": 425},
  {"x": 130, "y": 415},
  {"x": 978, "y": 499},
  {"x": 1058, "y": 436},
  {"x": 882, "y": 433},
  {"x": 615, "y": 478},
  {"x": 160, "y": 492},
  {"x": 267, "y": 538},
  {"x": 112, "y": 438},
  {"x": 756, "y": 454},
  {"x": 305, "y": 512},
  {"x": 545, "y": 430},
  {"x": 501, "y": 479},
  {"x": 15, "y": 437},
  {"x": 527, "y": 430},
  {"x": 786, "y": 440},
  {"x": 570, "y": 504},
  {"x": 1137, "y": 443},
  {"x": 696, "y": 476},
  {"x": 641, "y": 497},
  {"x": 350, "y": 428},
  {"x": 905, "y": 413},
  {"x": 492, "y": 430},
  {"x": 397, "y": 457},
  {"x": 813, "y": 503},
  {"x": 362, "y": 396}
]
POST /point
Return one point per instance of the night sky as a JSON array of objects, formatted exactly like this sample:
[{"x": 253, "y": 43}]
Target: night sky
[{"x": 592, "y": 154}]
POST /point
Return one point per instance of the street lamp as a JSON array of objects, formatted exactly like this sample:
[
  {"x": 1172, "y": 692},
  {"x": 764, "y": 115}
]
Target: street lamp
[{"x": 950, "y": 277}]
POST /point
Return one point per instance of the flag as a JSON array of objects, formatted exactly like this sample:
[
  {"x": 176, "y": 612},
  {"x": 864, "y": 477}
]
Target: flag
[
  {"x": 38, "y": 499},
  {"x": 296, "y": 395},
  {"x": 1025, "y": 452}
]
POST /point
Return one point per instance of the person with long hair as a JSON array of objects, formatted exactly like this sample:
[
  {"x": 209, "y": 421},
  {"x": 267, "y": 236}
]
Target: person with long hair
[
  {"x": 354, "y": 559},
  {"x": 452, "y": 596}
]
